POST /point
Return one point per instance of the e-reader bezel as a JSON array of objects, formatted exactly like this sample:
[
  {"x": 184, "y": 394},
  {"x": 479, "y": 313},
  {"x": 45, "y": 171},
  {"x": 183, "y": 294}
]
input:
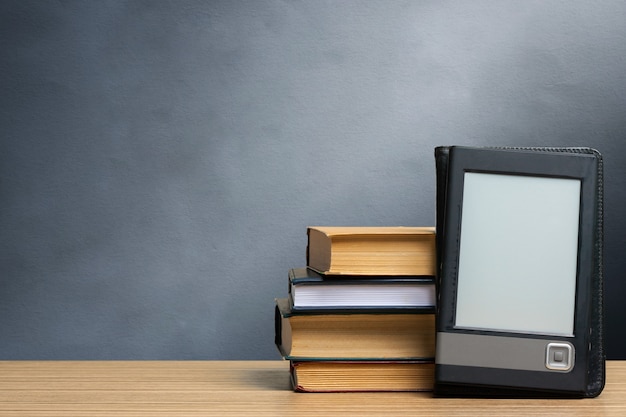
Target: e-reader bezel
[{"x": 461, "y": 358}]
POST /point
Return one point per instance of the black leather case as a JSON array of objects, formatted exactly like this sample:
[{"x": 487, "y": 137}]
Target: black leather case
[{"x": 597, "y": 357}]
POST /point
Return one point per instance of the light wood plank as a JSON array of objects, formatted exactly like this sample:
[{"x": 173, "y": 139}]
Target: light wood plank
[{"x": 234, "y": 388}]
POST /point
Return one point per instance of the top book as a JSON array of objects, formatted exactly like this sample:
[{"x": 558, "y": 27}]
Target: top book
[{"x": 351, "y": 250}]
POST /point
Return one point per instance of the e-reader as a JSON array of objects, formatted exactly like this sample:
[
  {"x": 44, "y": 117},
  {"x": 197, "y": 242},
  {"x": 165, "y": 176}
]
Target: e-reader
[{"x": 519, "y": 286}]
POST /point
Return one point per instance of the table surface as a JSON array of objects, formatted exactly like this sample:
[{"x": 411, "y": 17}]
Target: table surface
[{"x": 233, "y": 388}]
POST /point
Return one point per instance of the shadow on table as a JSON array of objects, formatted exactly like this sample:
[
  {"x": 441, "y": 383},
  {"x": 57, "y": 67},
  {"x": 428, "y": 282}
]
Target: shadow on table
[{"x": 269, "y": 379}]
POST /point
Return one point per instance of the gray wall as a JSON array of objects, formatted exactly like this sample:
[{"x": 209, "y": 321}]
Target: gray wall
[{"x": 160, "y": 161}]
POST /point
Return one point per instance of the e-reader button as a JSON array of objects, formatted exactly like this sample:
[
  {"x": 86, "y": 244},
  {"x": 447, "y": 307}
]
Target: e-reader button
[{"x": 560, "y": 356}]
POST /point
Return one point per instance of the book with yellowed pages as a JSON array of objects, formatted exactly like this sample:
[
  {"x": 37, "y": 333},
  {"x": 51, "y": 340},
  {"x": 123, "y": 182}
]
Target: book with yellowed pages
[
  {"x": 368, "y": 251},
  {"x": 384, "y": 335},
  {"x": 340, "y": 376}
]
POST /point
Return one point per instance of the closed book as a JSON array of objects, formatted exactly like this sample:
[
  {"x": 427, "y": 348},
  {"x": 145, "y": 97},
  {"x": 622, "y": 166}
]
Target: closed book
[
  {"x": 362, "y": 376},
  {"x": 372, "y": 250},
  {"x": 309, "y": 289},
  {"x": 396, "y": 335}
]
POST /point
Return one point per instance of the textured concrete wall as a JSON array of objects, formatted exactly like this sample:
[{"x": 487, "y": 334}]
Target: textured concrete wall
[{"x": 160, "y": 161}]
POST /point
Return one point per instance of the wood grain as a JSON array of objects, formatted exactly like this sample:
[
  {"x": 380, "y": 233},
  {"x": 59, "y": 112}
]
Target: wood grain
[{"x": 234, "y": 388}]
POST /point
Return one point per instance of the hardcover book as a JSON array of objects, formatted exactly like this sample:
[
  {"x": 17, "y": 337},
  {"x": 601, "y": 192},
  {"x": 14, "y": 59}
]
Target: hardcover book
[
  {"x": 372, "y": 250},
  {"x": 360, "y": 376},
  {"x": 397, "y": 335},
  {"x": 310, "y": 290}
]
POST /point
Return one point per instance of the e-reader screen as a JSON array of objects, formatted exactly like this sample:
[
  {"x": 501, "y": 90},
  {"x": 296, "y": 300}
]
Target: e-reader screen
[{"x": 518, "y": 254}]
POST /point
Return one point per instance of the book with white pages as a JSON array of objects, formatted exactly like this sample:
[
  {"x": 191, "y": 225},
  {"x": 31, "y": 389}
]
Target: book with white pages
[{"x": 309, "y": 290}]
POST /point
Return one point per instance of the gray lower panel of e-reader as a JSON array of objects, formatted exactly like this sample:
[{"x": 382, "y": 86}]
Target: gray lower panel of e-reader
[{"x": 501, "y": 352}]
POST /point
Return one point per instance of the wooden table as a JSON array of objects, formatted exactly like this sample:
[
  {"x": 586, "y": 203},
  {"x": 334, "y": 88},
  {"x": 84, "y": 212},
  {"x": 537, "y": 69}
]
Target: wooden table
[{"x": 234, "y": 388}]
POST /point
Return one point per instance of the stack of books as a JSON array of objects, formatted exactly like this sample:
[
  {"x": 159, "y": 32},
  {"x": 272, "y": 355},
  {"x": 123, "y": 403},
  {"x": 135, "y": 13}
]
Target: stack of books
[{"x": 361, "y": 315}]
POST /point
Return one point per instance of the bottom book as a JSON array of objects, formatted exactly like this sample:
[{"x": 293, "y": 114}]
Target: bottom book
[{"x": 339, "y": 376}]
